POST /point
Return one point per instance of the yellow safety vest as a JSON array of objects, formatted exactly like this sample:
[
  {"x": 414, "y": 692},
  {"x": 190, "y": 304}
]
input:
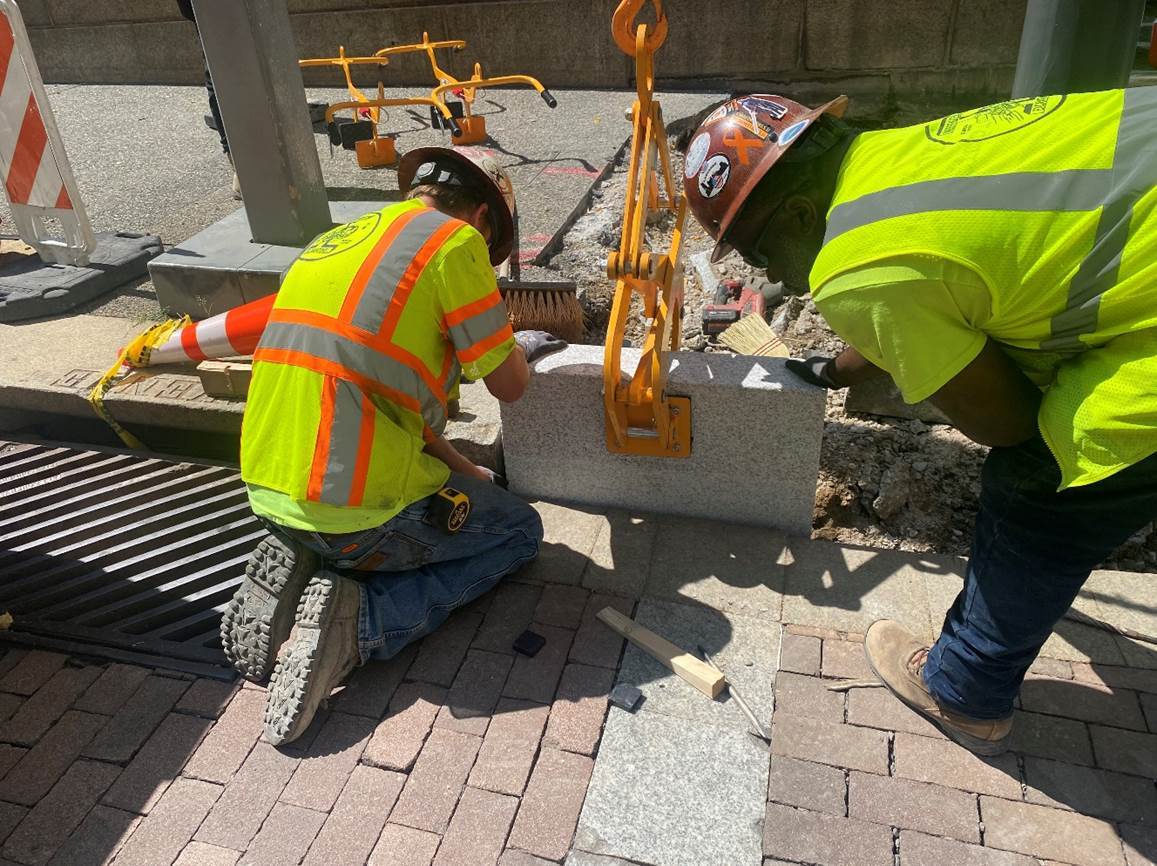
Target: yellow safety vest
[
  {"x": 370, "y": 329},
  {"x": 1050, "y": 200}
]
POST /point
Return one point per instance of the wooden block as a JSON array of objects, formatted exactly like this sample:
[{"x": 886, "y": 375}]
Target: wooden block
[
  {"x": 694, "y": 671},
  {"x": 225, "y": 378}
]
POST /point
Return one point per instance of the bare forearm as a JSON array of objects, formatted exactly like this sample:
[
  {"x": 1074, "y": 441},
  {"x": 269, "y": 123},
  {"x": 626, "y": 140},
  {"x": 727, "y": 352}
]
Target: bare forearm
[
  {"x": 448, "y": 454},
  {"x": 851, "y": 368}
]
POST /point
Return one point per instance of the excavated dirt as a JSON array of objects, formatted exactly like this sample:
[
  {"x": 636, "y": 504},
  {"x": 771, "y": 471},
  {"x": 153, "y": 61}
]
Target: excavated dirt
[{"x": 883, "y": 482}]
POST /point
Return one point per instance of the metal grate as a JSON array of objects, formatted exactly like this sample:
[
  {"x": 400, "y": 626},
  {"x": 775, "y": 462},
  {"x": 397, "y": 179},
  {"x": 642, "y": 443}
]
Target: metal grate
[{"x": 118, "y": 553}]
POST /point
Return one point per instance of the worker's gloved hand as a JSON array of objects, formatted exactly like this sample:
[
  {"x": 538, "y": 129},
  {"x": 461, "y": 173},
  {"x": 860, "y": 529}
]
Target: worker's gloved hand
[
  {"x": 816, "y": 370},
  {"x": 535, "y": 344},
  {"x": 493, "y": 477}
]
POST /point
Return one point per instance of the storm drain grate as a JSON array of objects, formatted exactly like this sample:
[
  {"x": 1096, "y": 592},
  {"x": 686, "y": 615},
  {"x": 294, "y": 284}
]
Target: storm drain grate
[{"x": 117, "y": 554}]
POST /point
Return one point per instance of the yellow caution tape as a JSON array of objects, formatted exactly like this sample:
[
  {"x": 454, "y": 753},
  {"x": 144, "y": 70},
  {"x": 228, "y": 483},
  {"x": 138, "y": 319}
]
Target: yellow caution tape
[{"x": 135, "y": 354}]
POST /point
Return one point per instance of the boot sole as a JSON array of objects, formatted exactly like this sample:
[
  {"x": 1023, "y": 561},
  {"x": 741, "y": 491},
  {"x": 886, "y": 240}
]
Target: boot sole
[
  {"x": 258, "y": 619},
  {"x": 292, "y": 698},
  {"x": 976, "y": 745}
]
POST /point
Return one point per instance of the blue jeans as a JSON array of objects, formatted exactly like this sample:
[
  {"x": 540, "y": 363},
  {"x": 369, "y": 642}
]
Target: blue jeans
[
  {"x": 1032, "y": 551},
  {"x": 413, "y": 575}
]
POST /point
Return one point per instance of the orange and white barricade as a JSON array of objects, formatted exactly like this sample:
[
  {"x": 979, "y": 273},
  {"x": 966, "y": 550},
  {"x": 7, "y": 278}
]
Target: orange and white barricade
[{"x": 37, "y": 176}]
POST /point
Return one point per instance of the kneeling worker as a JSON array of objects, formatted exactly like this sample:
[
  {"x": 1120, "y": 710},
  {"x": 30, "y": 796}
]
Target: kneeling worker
[
  {"x": 342, "y": 450},
  {"x": 1001, "y": 263}
]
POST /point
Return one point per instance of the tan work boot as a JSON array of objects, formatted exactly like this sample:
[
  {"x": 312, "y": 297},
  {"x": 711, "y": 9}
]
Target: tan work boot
[
  {"x": 258, "y": 619},
  {"x": 897, "y": 658},
  {"x": 321, "y": 651}
]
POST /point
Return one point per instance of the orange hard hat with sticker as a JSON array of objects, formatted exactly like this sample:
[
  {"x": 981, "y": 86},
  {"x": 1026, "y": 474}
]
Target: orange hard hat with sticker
[{"x": 734, "y": 148}]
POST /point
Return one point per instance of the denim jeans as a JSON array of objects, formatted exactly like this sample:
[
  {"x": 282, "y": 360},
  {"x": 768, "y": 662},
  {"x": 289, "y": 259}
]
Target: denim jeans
[
  {"x": 1032, "y": 551},
  {"x": 413, "y": 574}
]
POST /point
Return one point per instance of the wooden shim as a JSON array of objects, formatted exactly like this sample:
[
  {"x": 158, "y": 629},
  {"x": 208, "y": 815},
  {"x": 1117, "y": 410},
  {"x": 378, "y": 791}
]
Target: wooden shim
[
  {"x": 228, "y": 379},
  {"x": 688, "y": 668}
]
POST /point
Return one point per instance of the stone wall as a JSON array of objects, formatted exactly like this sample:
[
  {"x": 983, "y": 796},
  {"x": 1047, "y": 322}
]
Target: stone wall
[{"x": 885, "y": 52}]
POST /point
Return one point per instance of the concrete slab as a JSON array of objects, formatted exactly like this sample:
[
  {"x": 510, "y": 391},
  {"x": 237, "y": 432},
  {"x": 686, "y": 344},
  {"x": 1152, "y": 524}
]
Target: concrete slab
[
  {"x": 555, "y": 442},
  {"x": 735, "y": 569},
  {"x": 31, "y": 289},
  {"x": 847, "y": 588},
  {"x": 745, "y": 647},
  {"x": 221, "y": 267},
  {"x": 670, "y": 792},
  {"x": 620, "y": 560}
]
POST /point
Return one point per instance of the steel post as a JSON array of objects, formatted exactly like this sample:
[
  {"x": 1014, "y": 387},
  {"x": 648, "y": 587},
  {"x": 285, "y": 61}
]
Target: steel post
[
  {"x": 1074, "y": 46},
  {"x": 249, "y": 47}
]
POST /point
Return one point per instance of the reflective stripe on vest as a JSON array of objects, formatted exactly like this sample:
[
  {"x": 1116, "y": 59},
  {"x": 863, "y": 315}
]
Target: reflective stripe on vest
[
  {"x": 1134, "y": 173},
  {"x": 355, "y": 353},
  {"x": 477, "y": 326}
]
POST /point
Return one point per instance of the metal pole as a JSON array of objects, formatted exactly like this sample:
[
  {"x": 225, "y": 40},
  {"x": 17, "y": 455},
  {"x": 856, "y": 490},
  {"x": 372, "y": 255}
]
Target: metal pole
[
  {"x": 250, "y": 51},
  {"x": 1075, "y": 46}
]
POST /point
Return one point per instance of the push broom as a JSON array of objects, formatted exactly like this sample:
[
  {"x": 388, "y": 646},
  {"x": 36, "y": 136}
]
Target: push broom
[{"x": 540, "y": 305}]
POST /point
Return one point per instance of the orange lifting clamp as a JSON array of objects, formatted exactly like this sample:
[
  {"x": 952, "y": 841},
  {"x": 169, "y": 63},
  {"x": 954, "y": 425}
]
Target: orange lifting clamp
[
  {"x": 466, "y": 129},
  {"x": 641, "y": 417}
]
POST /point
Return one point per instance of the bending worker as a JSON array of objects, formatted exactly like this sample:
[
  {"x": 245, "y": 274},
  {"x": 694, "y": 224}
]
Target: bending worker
[
  {"x": 1001, "y": 263},
  {"x": 342, "y": 449}
]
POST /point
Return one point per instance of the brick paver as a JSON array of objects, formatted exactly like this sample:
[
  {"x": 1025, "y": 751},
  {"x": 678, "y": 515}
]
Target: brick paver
[
  {"x": 41, "y": 767},
  {"x": 1140, "y": 845},
  {"x": 34, "y": 669},
  {"x": 116, "y": 685},
  {"x": 137, "y": 719},
  {"x": 9, "y": 705},
  {"x": 160, "y": 837},
  {"x": 207, "y": 697},
  {"x": 1149, "y": 708},
  {"x": 475, "y": 692},
  {"x": 37, "y": 714},
  {"x": 55, "y": 817},
  {"x": 845, "y": 660},
  {"x": 1125, "y": 751},
  {"x": 158, "y": 762},
  {"x": 576, "y": 718},
  {"x": 512, "y": 857},
  {"x": 1051, "y": 833},
  {"x": 98, "y": 839},
  {"x": 550, "y": 808},
  {"x": 594, "y": 643},
  {"x": 877, "y": 708},
  {"x": 561, "y": 605},
  {"x": 913, "y": 806},
  {"x": 828, "y": 743},
  {"x": 369, "y": 690},
  {"x": 1113, "y": 676},
  {"x": 817, "y": 787},
  {"x": 200, "y": 854},
  {"x": 920, "y": 849},
  {"x": 437, "y": 780},
  {"x": 535, "y": 679},
  {"x": 797, "y": 695},
  {"x": 441, "y": 653},
  {"x": 10, "y": 817},
  {"x": 1052, "y": 737},
  {"x": 941, "y": 762},
  {"x": 813, "y": 837},
  {"x": 1085, "y": 701},
  {"x": 225, "y": 748},
  {"x": 404, "y": 846},
  {"x": 285, "y": 836},
  {"x": 800, "y": 653},
  {"x": 325, "y": 768},
  {"x": 510, "y": 614},
  {"x": 478, "y": 830},
  {"x": 9, "y": 757},
  {"x": 1099, "y": 793},
  {"x": 248, "y": 798},
  {"x": 398, "y": 738},
  {"x": 355, "y": 824},
  {"x": 508, "y": 751}
]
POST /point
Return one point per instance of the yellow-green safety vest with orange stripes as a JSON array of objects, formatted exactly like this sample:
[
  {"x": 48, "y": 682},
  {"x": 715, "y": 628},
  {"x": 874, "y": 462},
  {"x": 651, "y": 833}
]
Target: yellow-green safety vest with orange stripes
[
  {"x": 1050, "y": 200},
  {"x": 373, "y": 325}
]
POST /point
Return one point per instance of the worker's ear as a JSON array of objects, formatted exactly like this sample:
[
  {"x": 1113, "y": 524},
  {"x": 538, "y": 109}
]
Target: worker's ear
[
  {"x": 801, "y": 214},
  {"x": 480, "y": 219}
]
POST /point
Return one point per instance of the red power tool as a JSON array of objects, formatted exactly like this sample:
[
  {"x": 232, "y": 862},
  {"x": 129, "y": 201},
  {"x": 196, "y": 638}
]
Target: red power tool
[{"x": 733, "y": 300}]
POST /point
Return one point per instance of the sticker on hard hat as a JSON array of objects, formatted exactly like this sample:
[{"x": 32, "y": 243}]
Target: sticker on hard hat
[
  {"x": 759, "y": 103},
  {"x": 982, "y": 124},
  {"x": 713, "y": 176},
  {"x": 343, "y": 237},
  {"x": 721, "y": 111},
  {"x": 792, "y": 132},
  {"x": 696, "y": 153}
]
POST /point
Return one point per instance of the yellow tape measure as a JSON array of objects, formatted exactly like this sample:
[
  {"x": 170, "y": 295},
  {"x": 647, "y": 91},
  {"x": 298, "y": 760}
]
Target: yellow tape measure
[{"x": 449, "y": 509}]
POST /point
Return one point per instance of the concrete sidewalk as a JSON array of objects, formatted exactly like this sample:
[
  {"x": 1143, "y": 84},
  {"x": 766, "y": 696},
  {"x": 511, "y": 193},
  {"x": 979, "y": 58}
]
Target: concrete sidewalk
[{"x": 459, "y": 752}]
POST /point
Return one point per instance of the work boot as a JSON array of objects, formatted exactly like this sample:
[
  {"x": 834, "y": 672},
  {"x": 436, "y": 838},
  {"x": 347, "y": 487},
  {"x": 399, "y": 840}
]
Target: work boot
[
  {"x": 898, "y": 658},
  {"x": 321, "y": 651},
  {"x": 258, "y": 619}
]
